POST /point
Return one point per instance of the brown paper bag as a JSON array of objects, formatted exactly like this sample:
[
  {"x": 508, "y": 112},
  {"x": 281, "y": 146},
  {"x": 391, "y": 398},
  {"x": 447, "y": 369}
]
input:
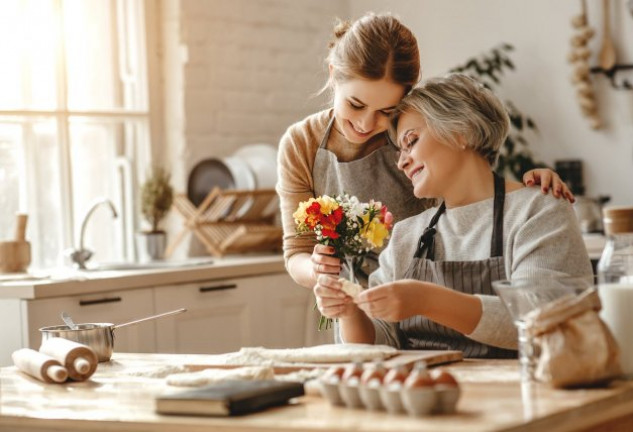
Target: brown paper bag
[{"x": 576, "y": 346}]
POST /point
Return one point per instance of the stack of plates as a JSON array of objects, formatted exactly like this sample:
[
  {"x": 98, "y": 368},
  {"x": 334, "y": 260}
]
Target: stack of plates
[{"x": 251, "y": 167}]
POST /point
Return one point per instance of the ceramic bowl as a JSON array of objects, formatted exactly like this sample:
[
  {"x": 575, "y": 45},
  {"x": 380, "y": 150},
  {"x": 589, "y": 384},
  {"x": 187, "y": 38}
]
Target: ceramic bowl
[{"x": 419, "y": 401}]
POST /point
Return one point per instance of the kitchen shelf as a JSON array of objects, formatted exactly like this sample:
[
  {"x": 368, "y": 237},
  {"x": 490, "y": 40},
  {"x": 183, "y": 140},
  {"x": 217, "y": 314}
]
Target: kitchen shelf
[{"x": 231, "y": 221}]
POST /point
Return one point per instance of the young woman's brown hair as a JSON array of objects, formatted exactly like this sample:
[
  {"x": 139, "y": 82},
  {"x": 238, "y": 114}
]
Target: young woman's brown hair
[{"x": 372, "y": 48}]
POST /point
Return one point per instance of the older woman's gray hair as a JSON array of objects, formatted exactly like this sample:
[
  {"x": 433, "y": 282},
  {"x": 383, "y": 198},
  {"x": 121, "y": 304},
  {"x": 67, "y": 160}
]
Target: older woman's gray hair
[{"x": 458, "y": 110}]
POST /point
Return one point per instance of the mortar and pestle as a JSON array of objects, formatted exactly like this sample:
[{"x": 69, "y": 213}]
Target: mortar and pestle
[{"x": 15, "y": 255}]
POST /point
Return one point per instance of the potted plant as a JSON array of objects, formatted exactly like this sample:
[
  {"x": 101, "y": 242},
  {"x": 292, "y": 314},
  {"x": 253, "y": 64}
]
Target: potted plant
[
  {"x": 157, "y": 196},
  {"x": 515, "y": 158}
]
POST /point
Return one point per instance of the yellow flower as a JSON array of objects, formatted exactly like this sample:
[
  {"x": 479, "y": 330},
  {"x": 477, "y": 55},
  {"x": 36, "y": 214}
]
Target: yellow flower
[
  {"x": 300, "y": 214},
  {"x": 375, "y": 232},
  {"x": 328, "y": 204}
]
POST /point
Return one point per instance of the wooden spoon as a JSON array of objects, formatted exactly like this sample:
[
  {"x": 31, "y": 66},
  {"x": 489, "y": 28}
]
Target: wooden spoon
[{"x": 607, "y": 50}]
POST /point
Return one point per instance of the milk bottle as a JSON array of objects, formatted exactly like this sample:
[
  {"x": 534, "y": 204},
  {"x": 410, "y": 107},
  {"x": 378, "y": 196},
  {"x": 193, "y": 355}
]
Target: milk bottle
[{"x": 615, "y": 280}]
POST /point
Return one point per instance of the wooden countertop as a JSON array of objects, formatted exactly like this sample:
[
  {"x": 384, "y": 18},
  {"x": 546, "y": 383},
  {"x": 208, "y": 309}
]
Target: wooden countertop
[
  {"x": 115, "y": 399},
  {"x": 86, "y": 282}
]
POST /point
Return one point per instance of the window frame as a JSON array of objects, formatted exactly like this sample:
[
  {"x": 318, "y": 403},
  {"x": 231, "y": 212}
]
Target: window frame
[{"x": 130, "y": 20}]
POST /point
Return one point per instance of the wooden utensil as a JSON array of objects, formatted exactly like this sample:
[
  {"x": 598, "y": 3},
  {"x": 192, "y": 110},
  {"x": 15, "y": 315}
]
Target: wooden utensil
[
  {"x": 607, "y": 50},
  {"x": 15, "y": 255}
]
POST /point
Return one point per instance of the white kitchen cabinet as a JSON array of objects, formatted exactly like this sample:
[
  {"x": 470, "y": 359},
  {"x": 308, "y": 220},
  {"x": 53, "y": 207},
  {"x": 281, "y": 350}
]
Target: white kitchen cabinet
[
  {"x": 260, "y": 307},
  {"x": 115, "y": 307},
  {"x": 225, "y": 315}
]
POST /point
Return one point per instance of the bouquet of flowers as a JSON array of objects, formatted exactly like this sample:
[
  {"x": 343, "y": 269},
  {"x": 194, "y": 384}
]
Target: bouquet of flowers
[{"x": 351, "y": 227}]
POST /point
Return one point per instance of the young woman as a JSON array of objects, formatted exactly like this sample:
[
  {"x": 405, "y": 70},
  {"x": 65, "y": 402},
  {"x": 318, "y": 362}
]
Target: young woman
[
  {"x": 434, "y": 279},
  {"x": 373, "y": 63}
]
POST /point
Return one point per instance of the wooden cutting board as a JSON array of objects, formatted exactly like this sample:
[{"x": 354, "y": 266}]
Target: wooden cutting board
[{"x": 406, "y": 358}]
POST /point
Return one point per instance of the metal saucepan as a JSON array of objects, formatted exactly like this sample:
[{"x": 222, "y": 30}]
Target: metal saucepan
[{"x": 98, "y": 336}]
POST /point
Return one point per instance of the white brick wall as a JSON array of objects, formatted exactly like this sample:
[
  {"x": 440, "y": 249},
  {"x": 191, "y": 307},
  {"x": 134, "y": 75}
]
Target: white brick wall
[
  {"x": 251, "y": 69},
  {"x": 237, "y": 72}
]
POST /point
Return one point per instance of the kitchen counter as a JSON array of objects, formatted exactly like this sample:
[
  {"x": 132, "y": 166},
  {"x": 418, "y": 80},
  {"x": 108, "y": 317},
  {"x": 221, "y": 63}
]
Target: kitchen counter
[
  {"x": 86, "y": 282},
  {"x": 115, "y": 399}
]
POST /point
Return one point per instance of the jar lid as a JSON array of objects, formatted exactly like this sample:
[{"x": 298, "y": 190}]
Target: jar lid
[{"x": 618, "y": 219}]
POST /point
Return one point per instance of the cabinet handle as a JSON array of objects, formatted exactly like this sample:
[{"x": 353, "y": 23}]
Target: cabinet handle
[
  {"x": 217, "y": 288},
  {"x": 99, "y": 301}
]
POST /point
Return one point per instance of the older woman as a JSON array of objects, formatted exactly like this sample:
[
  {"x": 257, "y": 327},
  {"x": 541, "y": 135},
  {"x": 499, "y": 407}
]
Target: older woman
[{"x": 433, "y": 287}]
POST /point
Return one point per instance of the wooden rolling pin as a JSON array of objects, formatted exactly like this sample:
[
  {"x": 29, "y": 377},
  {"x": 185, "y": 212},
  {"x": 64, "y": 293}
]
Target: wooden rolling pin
[
  {"x": 80, "y": 360},
  {"x": 15, "y": 255},
  {"x": 39, "y": 365}
]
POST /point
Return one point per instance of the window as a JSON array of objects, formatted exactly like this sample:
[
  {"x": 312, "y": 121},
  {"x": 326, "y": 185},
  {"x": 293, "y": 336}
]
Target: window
[{"x": 74, "y": 122}]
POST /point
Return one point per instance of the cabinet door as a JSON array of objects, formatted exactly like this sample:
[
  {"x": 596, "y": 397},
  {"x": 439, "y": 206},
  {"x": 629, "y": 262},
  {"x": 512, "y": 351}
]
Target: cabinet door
[
  {"x": 115, "y": 307},
  {"x": 225, "y": 315},
  {"x": 218, "y": 319},
  {"x": 282, "y": 321}
]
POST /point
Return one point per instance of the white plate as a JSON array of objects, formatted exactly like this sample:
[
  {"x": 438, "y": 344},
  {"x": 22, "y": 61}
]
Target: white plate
[{"x": 262, "y": 159}]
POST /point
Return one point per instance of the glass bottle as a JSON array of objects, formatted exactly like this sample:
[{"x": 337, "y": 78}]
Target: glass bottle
[{"x": 615, "y": 280}]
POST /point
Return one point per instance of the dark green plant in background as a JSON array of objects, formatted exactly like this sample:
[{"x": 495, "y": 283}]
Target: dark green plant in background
[
  {"x": 156, "y": 197},
  {"x": 515, "y": 157}
]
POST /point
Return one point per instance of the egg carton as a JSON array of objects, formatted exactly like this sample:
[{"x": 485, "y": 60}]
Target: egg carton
[{"x": 395, "y": 399}]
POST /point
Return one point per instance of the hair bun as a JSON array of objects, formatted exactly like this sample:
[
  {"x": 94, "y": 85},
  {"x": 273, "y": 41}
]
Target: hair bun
[{"x": 340, "y": 28}]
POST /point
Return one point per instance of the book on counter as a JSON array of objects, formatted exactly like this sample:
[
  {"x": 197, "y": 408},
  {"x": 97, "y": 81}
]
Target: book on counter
[{"x": 229, "y": 398}]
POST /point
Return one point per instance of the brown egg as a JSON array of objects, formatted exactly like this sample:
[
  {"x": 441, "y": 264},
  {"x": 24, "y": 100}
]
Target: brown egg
[
  {"x": 442, "y": 377},
  {"x": 353, "y": 373},
  {"x": 395, "y": 377},
  {"x": 373, "y": 376},
  {"x": 334, "y": 374},
  {"x": 419, "y": 377}
]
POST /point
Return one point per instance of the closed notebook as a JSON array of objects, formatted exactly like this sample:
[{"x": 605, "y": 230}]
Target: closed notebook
[{"x": 229, "y": 398}]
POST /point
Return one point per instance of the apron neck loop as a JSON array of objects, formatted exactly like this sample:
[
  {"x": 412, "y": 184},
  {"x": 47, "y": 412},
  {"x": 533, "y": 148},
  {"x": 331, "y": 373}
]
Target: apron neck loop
[{"x": 427, "y": 239}]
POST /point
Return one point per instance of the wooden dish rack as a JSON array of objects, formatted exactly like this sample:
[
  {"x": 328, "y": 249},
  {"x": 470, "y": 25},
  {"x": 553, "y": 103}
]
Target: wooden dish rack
[{"x": 231, "y": 221}]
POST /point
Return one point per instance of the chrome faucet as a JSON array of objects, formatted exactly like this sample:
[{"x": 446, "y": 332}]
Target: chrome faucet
[{"x": 80, "y": 256}]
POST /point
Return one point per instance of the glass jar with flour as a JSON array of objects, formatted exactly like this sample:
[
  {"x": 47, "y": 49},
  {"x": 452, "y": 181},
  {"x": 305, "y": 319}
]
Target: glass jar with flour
[{"x": 615, "y": 280}]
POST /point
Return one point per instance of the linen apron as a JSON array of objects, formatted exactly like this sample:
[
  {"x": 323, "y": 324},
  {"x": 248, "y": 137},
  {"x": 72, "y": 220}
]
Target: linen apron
[
  {"x": 471, "y": 277},
  {"x": 375, "y": 176}
]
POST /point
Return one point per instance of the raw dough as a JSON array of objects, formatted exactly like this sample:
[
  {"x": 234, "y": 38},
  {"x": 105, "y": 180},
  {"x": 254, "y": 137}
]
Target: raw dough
[
  {"x": 350, "y": 288},
  {"x": 330, "y": 353},
  {"x": 211, "y": 376}
]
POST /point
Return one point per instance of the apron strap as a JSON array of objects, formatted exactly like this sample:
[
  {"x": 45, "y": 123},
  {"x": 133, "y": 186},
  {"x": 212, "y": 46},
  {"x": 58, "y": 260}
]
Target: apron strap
[
  {"x": 326, "y": 135},
  {"x": 427, "y": 239},
  {"x": 496, "y": 243}
]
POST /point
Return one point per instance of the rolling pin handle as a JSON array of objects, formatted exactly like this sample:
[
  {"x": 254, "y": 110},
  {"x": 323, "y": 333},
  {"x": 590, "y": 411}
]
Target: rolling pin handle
[
  {"x": 58, "y": 374},
  {"x": 81, "y": 365}
]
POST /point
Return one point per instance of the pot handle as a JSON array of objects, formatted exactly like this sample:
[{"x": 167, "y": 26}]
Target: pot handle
[{"x": 174, "y": 312}]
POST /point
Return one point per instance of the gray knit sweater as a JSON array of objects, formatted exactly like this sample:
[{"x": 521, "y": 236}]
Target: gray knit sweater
[{"x": 540, "y": 235}]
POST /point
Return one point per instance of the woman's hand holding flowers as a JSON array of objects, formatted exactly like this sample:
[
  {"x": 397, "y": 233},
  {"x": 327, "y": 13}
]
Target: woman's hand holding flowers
[
  {"x": 324, "y": 262},
  {"x": 345, "y": 228}
]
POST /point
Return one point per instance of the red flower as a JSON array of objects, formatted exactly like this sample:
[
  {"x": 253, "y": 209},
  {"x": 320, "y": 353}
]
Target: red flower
[
  {"x": 314, "y": 215},
  {"x": 325, "y": 232}
]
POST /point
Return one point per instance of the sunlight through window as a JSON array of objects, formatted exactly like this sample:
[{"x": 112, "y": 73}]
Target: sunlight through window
[{"x": 73, "y": 111}]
